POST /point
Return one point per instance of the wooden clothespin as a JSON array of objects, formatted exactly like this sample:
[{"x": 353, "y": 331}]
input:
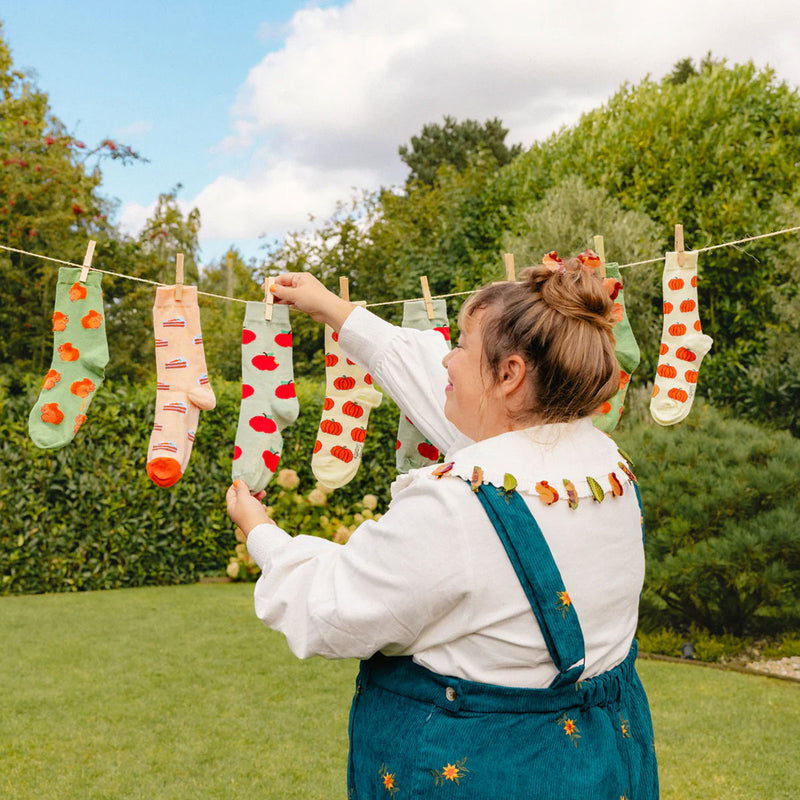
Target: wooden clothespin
[
  {"x": 269, "y": 300},
  {"x": 179, "y": 277},
  {"x": 87, "y": 260},
  {"x": 679, "y": 248},
  {"x": 508, "y": 260},
  {"x": 344, "y": 289},
  {"x": 600, "y": 249},
  {"x": 426, "y": 294}
]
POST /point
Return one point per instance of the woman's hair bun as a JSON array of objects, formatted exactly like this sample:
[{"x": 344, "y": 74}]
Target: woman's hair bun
[{"x": 572, "y": 290}]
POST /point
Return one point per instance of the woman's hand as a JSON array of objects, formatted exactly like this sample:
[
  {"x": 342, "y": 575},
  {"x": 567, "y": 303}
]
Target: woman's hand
[
  {"x": 244, "y": 509},
  {"x": 306, "y": 293}
]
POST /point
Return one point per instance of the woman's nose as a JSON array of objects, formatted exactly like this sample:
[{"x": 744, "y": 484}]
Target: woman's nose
[{"x": 446, "y": 359}]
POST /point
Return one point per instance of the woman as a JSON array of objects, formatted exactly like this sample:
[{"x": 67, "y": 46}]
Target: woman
[{"x": 495, "y": 602}]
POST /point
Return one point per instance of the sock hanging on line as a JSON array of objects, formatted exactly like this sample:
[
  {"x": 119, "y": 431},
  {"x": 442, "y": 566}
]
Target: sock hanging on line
[
  {"x": 413, "y": 449},
  {"x": 683, "y": 344},
  {"x": 349, "y": 398},
  {"x": 183, "y": 387},
  {"x": 269, "y": 403},
  {"x": 625, "y": 349},
  {"x": 80, "y": 354}
]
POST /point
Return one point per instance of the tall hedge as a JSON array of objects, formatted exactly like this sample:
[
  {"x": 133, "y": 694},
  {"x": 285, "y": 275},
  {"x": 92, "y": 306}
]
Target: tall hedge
[
  {"x": 722, "y": 512},
  {"x": 86, "y": 516}
]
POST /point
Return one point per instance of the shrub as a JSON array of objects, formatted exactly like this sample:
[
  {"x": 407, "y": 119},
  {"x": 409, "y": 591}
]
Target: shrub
[
  {"x": 86, "y": 516},
  {"x": 722, "y": 514},
  {"x": 707, "y": 646}
]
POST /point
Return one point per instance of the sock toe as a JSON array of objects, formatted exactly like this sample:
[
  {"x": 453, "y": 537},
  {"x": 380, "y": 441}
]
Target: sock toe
[{"x": 164, "y": 472}]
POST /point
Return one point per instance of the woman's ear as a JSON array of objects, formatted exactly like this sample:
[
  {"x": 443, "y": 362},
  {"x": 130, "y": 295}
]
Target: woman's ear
[{"x": 512, "y": 375}]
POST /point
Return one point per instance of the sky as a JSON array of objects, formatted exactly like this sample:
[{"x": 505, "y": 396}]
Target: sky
[{"x": 268, "y": 113}]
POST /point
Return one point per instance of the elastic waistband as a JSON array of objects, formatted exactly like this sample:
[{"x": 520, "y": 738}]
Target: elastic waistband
[{"x": 401, "y": 676}]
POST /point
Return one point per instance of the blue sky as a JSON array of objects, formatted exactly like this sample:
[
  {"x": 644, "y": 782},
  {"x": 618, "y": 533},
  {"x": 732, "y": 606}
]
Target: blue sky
[
  {"x": 270, "y": 111},
  {"x": 160, "y": 77}
]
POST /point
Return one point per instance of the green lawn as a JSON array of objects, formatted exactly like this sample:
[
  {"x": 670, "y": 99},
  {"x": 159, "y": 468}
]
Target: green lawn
[{"x": 180, "y": 693}]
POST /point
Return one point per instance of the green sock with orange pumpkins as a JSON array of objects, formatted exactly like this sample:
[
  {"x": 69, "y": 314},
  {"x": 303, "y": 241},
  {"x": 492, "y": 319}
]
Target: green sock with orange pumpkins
[{"x": 80, "y": 355}]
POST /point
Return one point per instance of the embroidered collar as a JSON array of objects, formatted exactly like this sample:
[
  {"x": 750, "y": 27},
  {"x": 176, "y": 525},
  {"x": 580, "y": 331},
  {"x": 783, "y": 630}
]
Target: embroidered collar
[{"x": 564, "y": 462}]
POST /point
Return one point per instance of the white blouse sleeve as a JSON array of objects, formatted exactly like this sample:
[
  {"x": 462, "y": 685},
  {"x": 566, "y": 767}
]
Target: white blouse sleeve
[
  {"x": 407, "y": 364},
  {"x": 381, "y": 591}
]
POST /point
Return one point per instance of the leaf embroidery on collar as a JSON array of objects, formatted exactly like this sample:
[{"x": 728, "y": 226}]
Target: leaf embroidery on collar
[
  {"x": 443, "y": 469},
  {"x": 572, "y": 495},
  {"x": 477, "y": 479},
  {"x": 597, "y": 489},
  {"x": 547, "y": 494}
]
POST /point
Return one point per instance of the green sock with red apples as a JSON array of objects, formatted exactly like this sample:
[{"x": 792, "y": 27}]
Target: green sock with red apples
[
  {"x": 413, "y": 449},
  {"x": 269, "y": 403}
]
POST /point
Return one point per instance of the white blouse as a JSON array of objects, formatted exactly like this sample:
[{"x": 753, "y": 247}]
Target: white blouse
[{"x": 431, "y": 578}]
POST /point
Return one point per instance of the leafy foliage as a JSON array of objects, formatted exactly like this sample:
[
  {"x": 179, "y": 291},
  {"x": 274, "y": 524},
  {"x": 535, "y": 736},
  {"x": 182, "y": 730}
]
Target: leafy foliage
[
  {"x": 566, "y": 219},
  {"x": 86, "y": 516},
  {"x": 231, "y": 276},
  {"x": 455, "y": 143},
  {"x": 716, "y": 152},
  {"x": 50, "y": 204},
  {"x": 721, "y": 511}
]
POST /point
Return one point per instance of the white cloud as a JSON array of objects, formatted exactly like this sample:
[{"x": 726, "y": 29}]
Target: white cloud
[
  {"x": 132, "y": 217},
  {"x": 273, "y": 201},
  {"x": 352, "y": 83},
  {"x": 141, "y": 127}
]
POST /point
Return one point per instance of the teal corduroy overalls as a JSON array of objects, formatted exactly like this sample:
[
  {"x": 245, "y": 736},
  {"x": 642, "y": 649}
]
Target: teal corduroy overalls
[{"x": 415, "y": 733}]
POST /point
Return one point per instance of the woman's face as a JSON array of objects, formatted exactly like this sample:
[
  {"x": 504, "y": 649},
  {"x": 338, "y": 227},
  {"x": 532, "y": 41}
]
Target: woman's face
[{"x": 470, "y": 403}]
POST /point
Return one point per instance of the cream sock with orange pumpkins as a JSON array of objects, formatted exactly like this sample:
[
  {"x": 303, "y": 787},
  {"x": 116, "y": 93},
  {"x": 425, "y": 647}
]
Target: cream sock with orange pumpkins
[
  {"x": 349, "y": 398},
  {"x": 183, "y": 388},
  {"x": 683, "y": 344},
  {"x": 413, "y": 449},
  {"x": 269, "y": 402},
  {"x": 80, "y": 354}
]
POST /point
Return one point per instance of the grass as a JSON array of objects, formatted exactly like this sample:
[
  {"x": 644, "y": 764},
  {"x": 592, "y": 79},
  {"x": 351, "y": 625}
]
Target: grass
[{"x": 180, "y": 692}]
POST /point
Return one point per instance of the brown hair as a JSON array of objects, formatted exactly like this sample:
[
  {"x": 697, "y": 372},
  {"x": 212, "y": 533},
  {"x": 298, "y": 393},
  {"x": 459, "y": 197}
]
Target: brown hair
[{"x": 560, "y": 321}]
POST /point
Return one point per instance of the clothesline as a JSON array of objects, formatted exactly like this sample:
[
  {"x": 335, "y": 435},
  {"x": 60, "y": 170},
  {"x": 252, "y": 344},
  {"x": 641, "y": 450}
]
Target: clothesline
[{"x": 389, "y": 302}]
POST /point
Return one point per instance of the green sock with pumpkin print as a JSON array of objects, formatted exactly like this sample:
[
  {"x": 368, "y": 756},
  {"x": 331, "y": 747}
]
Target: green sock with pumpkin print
[
  {"x": 80, "y": 354},
  {"x": 626, "y": 350},
  {"x": 269, "y": 403}
]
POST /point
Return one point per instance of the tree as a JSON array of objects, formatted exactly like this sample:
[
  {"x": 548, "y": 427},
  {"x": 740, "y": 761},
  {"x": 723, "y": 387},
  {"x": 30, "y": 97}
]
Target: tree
[
  {"x": 455, "y": 143},
  {"x": 230, "y": 276},
  {"x": 566, "y": 219},
  {"x": 49, "y": 204},
  {"x": 718, "y": 154},
  {"x": 168, "y": 232}
]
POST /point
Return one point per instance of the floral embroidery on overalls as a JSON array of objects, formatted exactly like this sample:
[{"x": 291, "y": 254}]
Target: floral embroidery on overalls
[
  {"x": 388, "y": 780},
  {"x": 452, "y": 772},
  {"x": 477, "y": 479},
  {"x": 564, "y": 603},
  {"x": 624, "y": 727},
  {"x": 570, "y": 728}
]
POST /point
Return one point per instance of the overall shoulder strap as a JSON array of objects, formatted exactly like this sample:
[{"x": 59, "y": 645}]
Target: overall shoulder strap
[
  {"x": 641, "y": 508},
  {"x": 537, "y": 572}
]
